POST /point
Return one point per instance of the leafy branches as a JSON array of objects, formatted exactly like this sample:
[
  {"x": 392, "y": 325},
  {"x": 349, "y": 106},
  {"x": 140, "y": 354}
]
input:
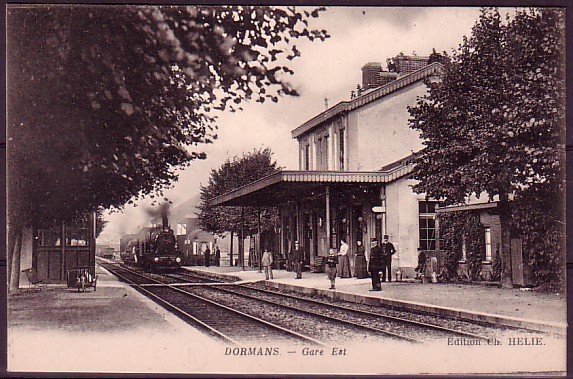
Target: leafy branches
[
  {"x": 462, "y": 231},
  {"x": 231, "y": 175},
  {"x": 106, "y": 102},
  {"x": 494, "y": 125}
]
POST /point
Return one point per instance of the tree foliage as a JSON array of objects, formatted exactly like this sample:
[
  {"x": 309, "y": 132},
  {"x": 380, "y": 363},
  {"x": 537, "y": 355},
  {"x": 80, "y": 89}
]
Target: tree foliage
[
  {"x": 106, "y": 102},
  {"x": 110, "y": 98},
  {"x": 462, "y": 230},
  {"x": 494, "y": 124},
  {"x": 232, "y": 174}
]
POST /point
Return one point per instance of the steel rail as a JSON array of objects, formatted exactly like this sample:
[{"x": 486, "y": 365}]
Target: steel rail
[
  {"x": 235, "y": 311},
  {"x": 374, "y": 314},
  {"x": 323, "y": 316},
  {"x": 167, "y": 304},
  {"x": 388, "y": 317}
]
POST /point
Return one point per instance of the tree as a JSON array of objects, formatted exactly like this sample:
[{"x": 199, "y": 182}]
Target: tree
[
  {"x": 105, "y": 103},
  {"x": 494, "y": 124},
  {"x": 233, "y": 174}
]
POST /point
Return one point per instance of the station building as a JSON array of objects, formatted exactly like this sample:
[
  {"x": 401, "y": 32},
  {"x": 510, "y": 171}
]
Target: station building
[{"x": 353, "y": 184}]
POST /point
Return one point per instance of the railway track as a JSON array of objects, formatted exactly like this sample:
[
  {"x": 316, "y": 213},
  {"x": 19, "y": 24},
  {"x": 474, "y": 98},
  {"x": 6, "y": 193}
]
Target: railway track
[
  {"x": 226, "y": 323},
  {"x": 352, "y": 316},
  {"x": 281, "y": 308}
]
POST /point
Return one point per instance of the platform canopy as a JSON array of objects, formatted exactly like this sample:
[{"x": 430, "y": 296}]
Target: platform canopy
[{"x": 284, "y": 186}]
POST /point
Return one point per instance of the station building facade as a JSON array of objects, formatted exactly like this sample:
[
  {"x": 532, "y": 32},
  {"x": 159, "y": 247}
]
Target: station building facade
[
  {"x": 353, "y": 179},
  {"x": 354, "y": 183}
]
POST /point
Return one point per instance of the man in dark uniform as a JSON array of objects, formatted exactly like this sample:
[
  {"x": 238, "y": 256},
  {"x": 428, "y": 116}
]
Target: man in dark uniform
[
  {"x": 207, "y": 257},
  {"x": 387, "y": 251},
  {"x": 297, "y": 257},
  {"x": 217, "y": 256},
  {"x": 375, "y": 265}
]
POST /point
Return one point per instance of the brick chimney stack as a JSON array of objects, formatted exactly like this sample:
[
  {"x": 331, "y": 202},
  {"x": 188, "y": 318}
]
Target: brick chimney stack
[
  {"x": 374, "y": 76},
  {"x": 410, "y": 63}
]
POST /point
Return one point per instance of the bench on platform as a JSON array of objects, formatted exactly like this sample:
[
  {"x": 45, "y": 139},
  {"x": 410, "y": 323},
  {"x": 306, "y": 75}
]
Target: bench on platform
[
  {"x": 34, "y": 283},
  {"x": 318, "y": 264}
]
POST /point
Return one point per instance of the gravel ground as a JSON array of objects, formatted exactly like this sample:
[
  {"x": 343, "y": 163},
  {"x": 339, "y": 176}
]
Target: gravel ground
[
  {"x": 315, "y": 326},
  {"x": 443, "y": 321}
]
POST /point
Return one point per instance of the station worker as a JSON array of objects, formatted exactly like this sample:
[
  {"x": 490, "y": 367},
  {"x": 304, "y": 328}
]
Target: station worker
[
  {"x": 297, "y": 257},
  {"x": 375, "y": 265},
  {"x": 387, "y": 251},
  {"x": 207, "y": 257},
  {"x": 217, "y": 256}
]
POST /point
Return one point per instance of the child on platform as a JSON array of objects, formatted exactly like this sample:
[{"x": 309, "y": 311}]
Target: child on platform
[{"x": 331, "y": 262}]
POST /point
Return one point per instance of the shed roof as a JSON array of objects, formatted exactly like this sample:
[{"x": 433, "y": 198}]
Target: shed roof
[{"x": 284, "y": 186}]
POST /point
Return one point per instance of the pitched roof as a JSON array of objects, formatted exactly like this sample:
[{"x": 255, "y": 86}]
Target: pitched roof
[{"x": 368, "y": 97}]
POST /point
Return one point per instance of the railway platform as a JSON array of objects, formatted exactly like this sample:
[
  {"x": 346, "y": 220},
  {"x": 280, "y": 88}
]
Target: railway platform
[
  {"x": 117, "y": 330},
  {"x": 511, "y": 307},
  {"x": 114, "y": 328}
]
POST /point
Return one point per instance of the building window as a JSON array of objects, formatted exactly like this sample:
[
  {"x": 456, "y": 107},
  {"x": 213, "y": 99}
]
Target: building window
[
  {"x": 378, "y": 227},
  {"x": 49, "y": 237},
  {"x": 181, "y": 229},
  {"x": 427, "y": 211},
  {"x": 323, "y": 153},
  {"x": 487, "y": 244},
  {"x": 341, "y": 148},
  {"x": 77, "y": 236},
  {"x": 307, "y": 157}
]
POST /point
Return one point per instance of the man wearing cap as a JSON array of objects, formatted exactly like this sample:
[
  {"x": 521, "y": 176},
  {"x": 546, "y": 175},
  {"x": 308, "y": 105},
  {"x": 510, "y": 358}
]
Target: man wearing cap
[
  {"x": 375, "y": 264},
  {"x": 387, "y": 251},
  {"x": 297, "y": 257}
]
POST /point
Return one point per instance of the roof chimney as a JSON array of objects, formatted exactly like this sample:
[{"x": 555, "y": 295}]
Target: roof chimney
[
  {"x": 406, "y": 64},
  {"x": 374, "y": 76}
]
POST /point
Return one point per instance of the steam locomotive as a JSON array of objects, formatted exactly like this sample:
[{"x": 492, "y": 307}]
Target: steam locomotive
[{"x": 154, "y": 249}]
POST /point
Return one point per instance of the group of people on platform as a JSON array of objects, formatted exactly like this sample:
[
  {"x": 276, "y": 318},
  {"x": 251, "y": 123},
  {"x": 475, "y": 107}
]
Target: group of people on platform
[
  {"x": 217, "y": 257},
  {"x": 341, "y": 265}
]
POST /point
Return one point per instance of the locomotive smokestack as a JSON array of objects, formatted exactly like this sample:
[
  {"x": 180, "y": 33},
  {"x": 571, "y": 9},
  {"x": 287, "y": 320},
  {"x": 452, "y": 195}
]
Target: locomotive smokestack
[
  {"x": 163, "y": 212},
  {"x": 165, "y": 215}
]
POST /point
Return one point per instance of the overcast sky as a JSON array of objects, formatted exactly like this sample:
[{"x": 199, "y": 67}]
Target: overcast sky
[{"x": 329, "y": 69}]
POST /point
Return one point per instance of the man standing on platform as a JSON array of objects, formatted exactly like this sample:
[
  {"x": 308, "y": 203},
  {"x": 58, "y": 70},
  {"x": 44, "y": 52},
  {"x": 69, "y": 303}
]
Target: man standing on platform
[
  {"x": 207, "y": 257},
  {"x": 387, "y": 251},
  {"x": 297, "y": 257},
  {"x": 375, "y": 265},
  {"x": 217, "y": 256}
]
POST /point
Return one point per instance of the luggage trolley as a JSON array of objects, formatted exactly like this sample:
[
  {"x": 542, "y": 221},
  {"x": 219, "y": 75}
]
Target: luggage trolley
[{"x": 82, "y": 278}]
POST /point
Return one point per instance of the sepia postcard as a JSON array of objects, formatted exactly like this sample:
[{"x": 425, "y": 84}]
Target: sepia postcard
[{"x": 280, "y": 190}]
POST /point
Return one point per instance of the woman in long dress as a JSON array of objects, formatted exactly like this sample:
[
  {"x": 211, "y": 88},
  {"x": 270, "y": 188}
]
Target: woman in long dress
[
  {"x": 360, "y": 261},
  {"x": 343, "y": 260}
]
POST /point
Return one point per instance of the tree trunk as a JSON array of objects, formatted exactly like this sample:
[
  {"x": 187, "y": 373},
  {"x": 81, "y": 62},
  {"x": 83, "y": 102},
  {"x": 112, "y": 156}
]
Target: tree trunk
[
  {"x": 505, "y": 253},
  {"x": 231, "y": 253},
  {"x": 14, "y": 264},
  {"x": 10, "y": 252}
]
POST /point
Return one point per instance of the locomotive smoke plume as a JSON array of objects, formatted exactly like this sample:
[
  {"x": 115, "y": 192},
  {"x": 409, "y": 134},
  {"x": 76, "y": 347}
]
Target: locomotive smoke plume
[{"x": 162, "y": 211}]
